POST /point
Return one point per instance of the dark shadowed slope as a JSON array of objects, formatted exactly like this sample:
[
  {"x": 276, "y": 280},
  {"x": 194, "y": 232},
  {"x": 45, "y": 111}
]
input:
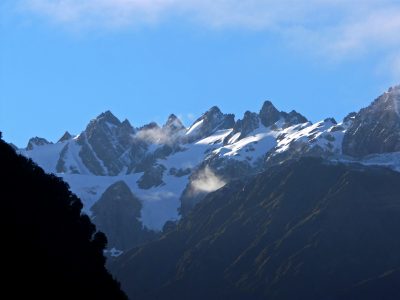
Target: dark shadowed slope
[
  {"x": 49, "y": 250},
  {"x": 303, "y": 230}
]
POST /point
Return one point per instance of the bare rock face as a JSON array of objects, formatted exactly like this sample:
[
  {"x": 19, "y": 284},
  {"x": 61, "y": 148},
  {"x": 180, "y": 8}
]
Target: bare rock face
[
  {"x": 293, "y": 118},
  {"x": 152, "y": 177},
  {"x": 250, "y": 122},
  {"x": 104, "y": 143},
  {"x": 376, "y": 128},
  {"x": 116, "y": 214},
  {"x": 269, "y": 114}
]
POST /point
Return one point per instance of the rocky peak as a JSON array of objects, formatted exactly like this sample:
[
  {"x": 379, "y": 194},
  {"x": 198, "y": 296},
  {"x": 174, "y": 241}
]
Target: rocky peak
[
  {"x": 109, "y": 117},
  {"x": 127, "y": 125},
  {"x": 173, "y": 124},
  {"x": 250, "y": 122},
  {"x": 269, "y": 114},
  {"x": 108, "y": 138},
  {"x": 65, "y": 137},
  {"x": 36, "y": 141},
  {"x": 376, "y": 128},
  {"x": 214, "y": 111},
  {"x": 103, "y": 125}
]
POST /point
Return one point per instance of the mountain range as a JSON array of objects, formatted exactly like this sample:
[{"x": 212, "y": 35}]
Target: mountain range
[
  {"x": 162, "y": 172},
  {"x": 269, "y": 206}
]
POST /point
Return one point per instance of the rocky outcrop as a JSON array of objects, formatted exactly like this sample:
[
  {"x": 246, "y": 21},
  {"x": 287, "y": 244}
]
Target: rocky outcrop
[
  {"x": 117, "y": 214},
  {"x": 376, "y": 128},
  {"x": 151, "y": 177}
]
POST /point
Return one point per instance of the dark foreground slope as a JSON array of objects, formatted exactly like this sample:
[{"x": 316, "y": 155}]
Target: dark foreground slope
[
  {"x": 49, "y": 251},
  {"x": 304, "y": 230}
]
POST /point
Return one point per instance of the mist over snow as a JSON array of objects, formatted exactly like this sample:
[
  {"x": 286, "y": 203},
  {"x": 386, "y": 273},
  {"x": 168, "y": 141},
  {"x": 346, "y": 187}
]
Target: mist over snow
[
  {"x": 154, "y": 135},
  {"x": 207, "y": 181},
  {"x": 158, "y": 135}
]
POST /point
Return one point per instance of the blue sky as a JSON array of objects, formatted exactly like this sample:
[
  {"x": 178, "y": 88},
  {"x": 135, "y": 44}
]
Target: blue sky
[{"x": 64, "y": 62}]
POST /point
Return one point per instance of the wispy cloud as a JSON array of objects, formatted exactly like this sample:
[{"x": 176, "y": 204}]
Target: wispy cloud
[
  {"x": 159, "y": 135},
  {"x": 336, "y": 28},
  {"x": 207, "y": 181},
  {"x": 358, "y": 32}
]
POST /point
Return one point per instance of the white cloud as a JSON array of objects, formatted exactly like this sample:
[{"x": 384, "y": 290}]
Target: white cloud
[
  {"x": 256, "y": 14},
  {"x": 158, "y": 135},
  {"x": 207, "y": 181},
  {"x": 376, "y": 30},
  {"x": 334, "y": 28}
]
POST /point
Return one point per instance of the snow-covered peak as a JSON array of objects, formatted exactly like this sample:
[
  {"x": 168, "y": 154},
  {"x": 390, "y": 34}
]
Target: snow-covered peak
[
  {"x": 211, "y": 121},
  {"x": 159, "y": 163}
]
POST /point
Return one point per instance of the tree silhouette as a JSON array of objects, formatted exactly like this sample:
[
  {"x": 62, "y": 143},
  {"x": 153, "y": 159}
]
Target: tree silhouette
[{"x": 49, "y": 248}]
